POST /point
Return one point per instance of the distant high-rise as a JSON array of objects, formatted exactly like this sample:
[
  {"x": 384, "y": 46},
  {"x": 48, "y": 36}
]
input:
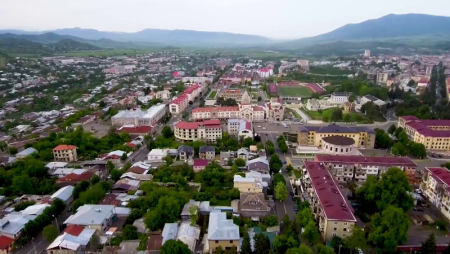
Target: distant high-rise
[{"x": 367, "y": 53}]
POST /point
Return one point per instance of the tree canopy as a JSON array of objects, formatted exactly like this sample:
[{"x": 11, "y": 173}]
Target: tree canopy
[{"x": 173, "y": 246}]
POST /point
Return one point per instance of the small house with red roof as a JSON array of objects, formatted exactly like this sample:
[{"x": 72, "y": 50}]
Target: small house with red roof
[
  {"x": 5, "y": 244},
  {"x": 200, "y": 164},
  {"x": 65, "y": 153}
]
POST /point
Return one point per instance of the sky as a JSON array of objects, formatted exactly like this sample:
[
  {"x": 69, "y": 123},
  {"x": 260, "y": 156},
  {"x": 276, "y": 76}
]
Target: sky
[{"x": 277, "y": 19}]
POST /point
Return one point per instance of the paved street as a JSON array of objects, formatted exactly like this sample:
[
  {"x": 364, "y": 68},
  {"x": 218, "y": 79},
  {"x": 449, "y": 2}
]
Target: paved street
[{"x": 286, "y": 207}]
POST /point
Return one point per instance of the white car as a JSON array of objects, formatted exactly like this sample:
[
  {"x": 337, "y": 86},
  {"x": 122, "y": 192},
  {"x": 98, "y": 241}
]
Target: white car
[
  {"x": 259, "y": 126},
  {"x": 264, "y": 128}
]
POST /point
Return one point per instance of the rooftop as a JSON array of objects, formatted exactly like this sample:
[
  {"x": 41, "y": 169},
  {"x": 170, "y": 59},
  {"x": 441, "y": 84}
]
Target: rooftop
[
  {"x": 220, "y": 228},
  {"x": 440, "y": 174},
  {"x": 369, "y": 160},
  {"x": 339, "y": 140},
  {"x": 64, "y": 147},
  {"x": 334, "y": 204},
  {"x": 90, "y": 215}
]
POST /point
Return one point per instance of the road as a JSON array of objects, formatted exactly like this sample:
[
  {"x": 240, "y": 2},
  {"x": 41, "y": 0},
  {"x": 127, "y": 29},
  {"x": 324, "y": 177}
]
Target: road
[
  {"x": 38, "y": 245},
  {"x": 286, "y": 207}
]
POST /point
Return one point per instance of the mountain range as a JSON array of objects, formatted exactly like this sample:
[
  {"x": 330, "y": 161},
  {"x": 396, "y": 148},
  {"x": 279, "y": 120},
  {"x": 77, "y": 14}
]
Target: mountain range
[{"x": 406, "y": 29}]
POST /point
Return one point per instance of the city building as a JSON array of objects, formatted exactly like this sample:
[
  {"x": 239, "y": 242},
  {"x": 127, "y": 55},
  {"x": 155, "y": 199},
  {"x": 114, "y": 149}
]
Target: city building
[
  {"x": 157, "y": 155},
  {"x": 275, "y": 109},
  {"x": 313, "y": 135},
  {"x": 222, "y": 232},
  {"x": 367, "y": 53},
  {"x": 200, "y": 164},
  {"x": 240, "y": 128},
  {"x": 98, "y": 217},
  {"x": 185, "y": 152},
  {"x": 329, "y": 206},
  {"x": 207, "y": 153},
  {"x": 253, "y": 205},
  {"x": 65, "y": 153},
  {"x": 433, "y": 134},
  {"x": 247, "y": 184},
  {"x": 235, "y": 94},
  {"x": 338, "y": 144},
  {"x": 25, "y": 153},
  {"x": 208, "y": 131},
  {"x": 436, "y": 187},
  {"x": 178, "y": 105},
  {"x": 338, "y": 98},
  {"x": 371, "y": 98},
  {"x": 345, "y": 168},
  {"x": 265, "y": 72},
  {"x": 137, "y": 117},
  {"x": 64, "y": 194},
  {"x": 163, "y": 95},
  {"x": 382, "y": 77}
]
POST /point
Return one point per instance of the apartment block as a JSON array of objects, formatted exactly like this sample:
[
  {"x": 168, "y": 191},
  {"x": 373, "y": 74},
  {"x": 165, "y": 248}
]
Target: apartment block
[
  {"x": 208, "y": 131},
  {"x": 65, "y": 153},
  {"x": 436, "y": 187}
]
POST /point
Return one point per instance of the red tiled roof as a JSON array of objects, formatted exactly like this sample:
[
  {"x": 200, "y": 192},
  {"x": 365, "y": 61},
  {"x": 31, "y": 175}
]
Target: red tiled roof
[
  {"x": 200, "y": 163},
  {"x": 212, "y": 122},
  {"x": 409, "y": 118},
  {"x": 440, "y": 174},
  {"x": 5, "y": 242},
  {"x": 139, "y": 129},
  {"x": 187, "y": 125},
  {"x": 257, "y": 108},
  {"x": 334, "y": 204},
  {"x": 64, "y": 147},
  {"x": 110, "y": 199},
  {"x": 85, "y": 176},
  {"x": 74, "y": 230},
  {"x": 423, "y": 80},
  {"x": 130, "y": 145},
  {"x": 368, "y": 160},
  {"x": 137, "y": 170}
]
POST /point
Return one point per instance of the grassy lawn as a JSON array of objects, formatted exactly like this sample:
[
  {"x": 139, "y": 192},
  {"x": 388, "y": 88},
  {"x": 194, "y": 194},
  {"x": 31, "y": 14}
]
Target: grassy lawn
[
  {"x": 297, "y": 173},
  {"x": 295, "y": 91},
  {"x": 212, "y": 95},
  {"x": 254, "y": 95},
  {"x": 326, "y": 114},
  {"x": 295, "y": 114}
]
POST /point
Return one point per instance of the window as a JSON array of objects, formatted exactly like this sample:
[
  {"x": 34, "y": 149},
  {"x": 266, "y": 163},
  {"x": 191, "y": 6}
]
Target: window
[
  {"x": 345, "y": 223},
  {"x": 231, "y": 241},
  {"x": 345, "y": 229},
  {"x": 217, "y": 241},
  {"x": 334, "y": 234},
  {"x": 335, "y": 223},
  {"x": 335, "y": 229}
]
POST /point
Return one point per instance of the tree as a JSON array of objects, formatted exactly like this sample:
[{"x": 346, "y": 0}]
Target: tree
[
  {"x": 193, "y": 212},
  {"x": 50, "y": 233},
  {"x": 281, "y": 192},
  {"x": 167, "y": 132},
  {"x": 417, "y": 149},
  {"x": 282, "y": 242},
  {"x": 398, "y": 131},
  {"x": 13, "y": 150},
  {"x": 390, "y": 228},
  {"x": 336, "y": 115},
  {"x": 429, "y": 246},
  {"x": 289, "y": 168},
  {"x": 270, "y": 221},
  {"x": 322, "y": 249},
  {"x": 239, "y": 162},
  {"x": 94, "y": 243},
  {"x": 262, "y": 244},
  {"x": 310, "y": 232},
  {"x": 246, "y": 247},
  {"x": 392, "y": 129},
  {"x": 172, "y": 246},
  {"x": 398, "y": 149},
  {"x": 124, "y": 157},
  {"x": 403, "y": 138},
  {"x": 275, "y": 164},
  {"x": 302, "y": 249},
  {"x": 357, "y": 239},
  {"x": 130, "y": 232},
  {"x": 169, "y": 160},
  {"x": 304, "y": 216},
  {"x": 278, "y": 178}
]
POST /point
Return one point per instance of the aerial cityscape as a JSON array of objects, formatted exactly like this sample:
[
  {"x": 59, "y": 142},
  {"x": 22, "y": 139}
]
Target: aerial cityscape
[{"x": 205, "y": 137}]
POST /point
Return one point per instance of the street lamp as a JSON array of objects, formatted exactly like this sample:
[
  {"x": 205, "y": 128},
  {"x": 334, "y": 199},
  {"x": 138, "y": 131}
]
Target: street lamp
[
  {"x": 56, "y": 220},
  {"x": 339, "y": 249}
]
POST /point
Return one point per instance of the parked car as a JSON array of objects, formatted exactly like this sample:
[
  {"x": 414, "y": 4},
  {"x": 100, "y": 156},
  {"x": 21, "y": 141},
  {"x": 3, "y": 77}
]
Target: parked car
[
  {"x": 295, "y": 208},
  {"x": 418, "y": 209}
]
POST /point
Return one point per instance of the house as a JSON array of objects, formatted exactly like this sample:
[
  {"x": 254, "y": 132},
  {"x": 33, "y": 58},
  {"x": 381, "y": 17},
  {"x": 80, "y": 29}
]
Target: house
[
  {"x": 25, "y": 153},
  {"x": 65, "y": 153},
  {"x": 73, "y": 240},
  {"x": 247, "y": 185},
  {"x": 200, "y": 164},
  {"x": 253, "y": 205},
  {"x": 13, "y": 223},
  {"x": 243, "y": 153},
  {"x": 156, "y": 155},
  {"x": 186, "y": 213},
  {"x": 260, "y": 164},
  {"x": 185, "y": 152},
  {"x": 64, "y": 194},
  {"x": 226, "y": 158},
  {"x": 207, "y": 153},
  {"x": 73, "y": 178},
  {"x": 35, "y": 209},
  {"x": 5, "y": 244},
  {"x": 124, "y": 185},
  {"x": 222, "y": 232},
  {"x": 62, "y": 172},
  {"x": 97, "y": 217},
  {"x": 260, "y": 177},
  {"x": 189, "y": 235},
  {"x": 114, "y": 156},
  {"x": 139, "y": 167},
  {"x": 371, "y": 98},
  {"x": 52, "y": 166}
]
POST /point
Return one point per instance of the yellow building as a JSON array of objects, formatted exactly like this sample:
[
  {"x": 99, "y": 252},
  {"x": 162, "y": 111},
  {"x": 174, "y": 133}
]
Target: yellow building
[
  {"x": 433, "y": 134},
  {"x": 329, "y": 206},
  {"x": 247, "y": 185},
  {"x": 436, "y": 187},
  {"x": 222, "y": 232},
  {"x": 313, "y": 135},
  {"x": 65, "y": 153}
]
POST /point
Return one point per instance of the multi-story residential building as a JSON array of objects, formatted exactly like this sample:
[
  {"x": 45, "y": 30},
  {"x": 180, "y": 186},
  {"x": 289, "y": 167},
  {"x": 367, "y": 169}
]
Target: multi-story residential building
[
  {"x": 208, "y": 131},
  {"x": 436, "y": 187},
  {"x": 240, "y": 127},
  {"x": 222, "y": 232},
  {"x": 382, "y": 77},
  {"x": 65, "y": 153},
  {"x": 163, "y": 95},
  {"x": 327, "y": 203},
  {"x": 313, "y": 135},
  {"x": 137, "y": 117},
  {"x": 179, "y": 104},
  {"x": 433, "y": 134},
  {"x": 207, "y": 153},
  {"x": 367, "y": 53},
  {"x": 345, "y": 168},
  {"x": 221, "y": 113},
  {"x": 247, "y": 184}
]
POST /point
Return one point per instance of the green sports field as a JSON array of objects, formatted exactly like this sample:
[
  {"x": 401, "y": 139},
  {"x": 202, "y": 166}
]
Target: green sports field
[{"x": 295, "y": 91}]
